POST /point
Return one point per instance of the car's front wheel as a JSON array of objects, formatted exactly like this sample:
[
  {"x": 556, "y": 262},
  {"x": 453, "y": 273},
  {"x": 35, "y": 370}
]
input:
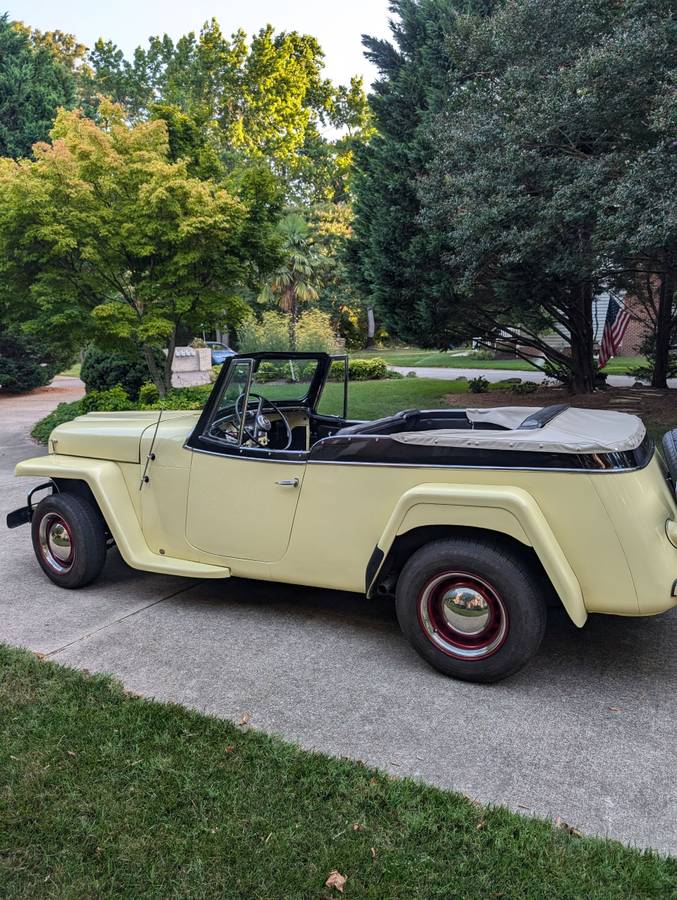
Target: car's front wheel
[
  {"x": 471, "y": 608},
  {"x": 69, "y": 540}
]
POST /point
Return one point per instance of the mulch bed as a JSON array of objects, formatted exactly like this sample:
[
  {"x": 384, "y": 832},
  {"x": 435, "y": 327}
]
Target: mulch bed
[{"x": 655, "y": 406}]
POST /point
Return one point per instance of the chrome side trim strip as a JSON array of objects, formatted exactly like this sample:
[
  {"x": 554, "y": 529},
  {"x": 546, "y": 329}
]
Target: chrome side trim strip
[
  {"x": 386, "y": 465},
  {"x": 578, "y": 471}
]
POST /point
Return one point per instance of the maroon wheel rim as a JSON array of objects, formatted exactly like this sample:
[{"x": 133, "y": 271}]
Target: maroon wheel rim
[
  {"x": 463, "y": 615},
  {"x": 56, "y": 544}
]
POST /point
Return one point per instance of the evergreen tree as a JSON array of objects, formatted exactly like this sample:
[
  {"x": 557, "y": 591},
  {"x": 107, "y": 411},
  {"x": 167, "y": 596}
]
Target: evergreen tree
[
  {"x": 33, "y": 85},
  {"x": 393, "y": 260},
  {"x": 550, "y": 178}
]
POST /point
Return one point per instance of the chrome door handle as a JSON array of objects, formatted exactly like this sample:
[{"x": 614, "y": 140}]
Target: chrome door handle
[{"x": 288, "y": 482}]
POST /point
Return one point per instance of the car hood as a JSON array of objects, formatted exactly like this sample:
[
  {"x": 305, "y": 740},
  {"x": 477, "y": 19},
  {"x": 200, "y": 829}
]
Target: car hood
[{"x": 114, "y": 435}]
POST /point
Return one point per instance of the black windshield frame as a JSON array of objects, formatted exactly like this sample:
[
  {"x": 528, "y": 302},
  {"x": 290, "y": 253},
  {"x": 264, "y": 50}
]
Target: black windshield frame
[{"x": 199, "y": 440}]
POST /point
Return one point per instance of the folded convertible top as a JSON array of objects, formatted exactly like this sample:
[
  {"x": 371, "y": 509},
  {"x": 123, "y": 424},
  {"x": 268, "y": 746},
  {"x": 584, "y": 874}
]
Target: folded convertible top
[{"x": 570, "y": 431}]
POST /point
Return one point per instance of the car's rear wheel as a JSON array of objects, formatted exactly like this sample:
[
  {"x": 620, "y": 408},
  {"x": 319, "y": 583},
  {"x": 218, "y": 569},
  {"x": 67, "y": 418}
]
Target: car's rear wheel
[
  {"x": 471, "y": 608},
  {"x": 69, "y": 540}
]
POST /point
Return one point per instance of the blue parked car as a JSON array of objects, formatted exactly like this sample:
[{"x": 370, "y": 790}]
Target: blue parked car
[{"x": 220, "y": 352}]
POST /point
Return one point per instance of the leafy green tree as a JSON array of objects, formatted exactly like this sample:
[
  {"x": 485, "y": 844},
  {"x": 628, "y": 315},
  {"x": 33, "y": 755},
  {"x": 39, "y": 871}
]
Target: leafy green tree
[
  {"x": 33, "y": 84},
  {"x": 103, "y": 236},
  {"x": 298, "y": 279},
  {"x": 61, "y": 45},
  {"x": 264, "y": 100},
  {"x": 545, "y": 122}
]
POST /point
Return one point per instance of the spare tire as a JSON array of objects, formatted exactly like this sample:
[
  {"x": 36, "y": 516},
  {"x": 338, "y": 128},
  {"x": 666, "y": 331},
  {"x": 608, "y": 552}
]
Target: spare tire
[{"x": 670, "y": 453}]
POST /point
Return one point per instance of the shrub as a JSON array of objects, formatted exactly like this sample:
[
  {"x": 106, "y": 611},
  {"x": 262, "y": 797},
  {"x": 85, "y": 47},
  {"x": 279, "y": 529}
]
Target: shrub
[
  {"x": 352, "y": 325},
  {"x": 148, "y": 394},
  {"x": 270, "y": 332},
  {"x": 269, "y": 371},
  {"x": 102, "y": 371},
  {"x": 526, "y": 387},
  {"x": 314, "y": 332},
  {"x": 23, "y": 366},
  {"x": 65, "y": 412},
  {"x": 179, "y": 398},
  {"x": 115, "y": 400},
  {"x": 478, "y": 385},
  {"x": 361, "y": 369}
]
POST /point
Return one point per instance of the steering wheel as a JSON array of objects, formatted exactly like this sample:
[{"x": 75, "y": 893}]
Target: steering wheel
[{"x": 262, "y": 423}]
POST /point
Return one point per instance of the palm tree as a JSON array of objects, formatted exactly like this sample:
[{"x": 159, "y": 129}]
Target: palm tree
[{"x": 299, "y": 276}]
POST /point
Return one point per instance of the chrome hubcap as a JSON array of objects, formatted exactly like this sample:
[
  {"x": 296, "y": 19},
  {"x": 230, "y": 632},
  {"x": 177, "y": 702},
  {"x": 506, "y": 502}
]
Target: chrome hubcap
[
  {"x": 465, "y": 610},
  {"x": 462, "y": 615},
  {"x": 56, "y": 543}
]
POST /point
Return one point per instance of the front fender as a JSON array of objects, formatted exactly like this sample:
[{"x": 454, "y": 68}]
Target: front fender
[
  {"x": 107, "y": 483},
  {"x": 505, "y": 510}
]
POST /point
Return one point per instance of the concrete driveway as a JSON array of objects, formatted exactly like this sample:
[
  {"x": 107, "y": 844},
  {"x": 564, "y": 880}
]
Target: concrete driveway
[
  {"x": 587, "y": 732},
  {"x": 494, "y": 375}
]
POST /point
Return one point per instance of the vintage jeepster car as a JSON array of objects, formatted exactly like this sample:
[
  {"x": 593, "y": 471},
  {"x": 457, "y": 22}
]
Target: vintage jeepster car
[{"x": 475, "y": 520}]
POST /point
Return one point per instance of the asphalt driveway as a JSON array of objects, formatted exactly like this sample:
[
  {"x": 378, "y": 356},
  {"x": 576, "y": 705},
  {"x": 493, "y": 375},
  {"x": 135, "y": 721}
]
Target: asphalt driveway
[{"x": 587, "y": 732}]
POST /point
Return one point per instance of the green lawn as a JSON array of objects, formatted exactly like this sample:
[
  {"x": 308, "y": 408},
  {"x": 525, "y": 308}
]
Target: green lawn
[
  {"x": 371, "y": 399},
  {"x": 73, "y": 371},
  {"x": 103, "y": 794},
  {"x": 621, "y": 365},
  {"x": 416, "y": 357}
]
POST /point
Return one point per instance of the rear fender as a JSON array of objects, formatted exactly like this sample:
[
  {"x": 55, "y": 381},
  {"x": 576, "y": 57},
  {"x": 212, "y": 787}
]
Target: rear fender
[{"x": 504, "y": 510}]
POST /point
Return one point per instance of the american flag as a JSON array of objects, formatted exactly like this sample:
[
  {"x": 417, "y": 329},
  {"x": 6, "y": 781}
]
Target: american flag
[{"x": 615, "y": 326}]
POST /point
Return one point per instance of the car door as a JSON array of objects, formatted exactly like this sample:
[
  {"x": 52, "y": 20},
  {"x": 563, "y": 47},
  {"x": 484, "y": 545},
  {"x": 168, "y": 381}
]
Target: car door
[{"x": 242, "y": 506}]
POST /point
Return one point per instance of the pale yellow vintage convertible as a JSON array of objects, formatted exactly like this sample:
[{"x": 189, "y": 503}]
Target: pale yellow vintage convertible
[{"x": 475, "y": 520}]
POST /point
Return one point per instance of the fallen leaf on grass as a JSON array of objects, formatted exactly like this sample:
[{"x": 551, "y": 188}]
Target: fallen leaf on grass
[
  {"x": 336, "y": 880},
  {"x": 373, "y": 852},
  {"x": 71, "y": 752},
  {"x": 480, "y": 825},
  {"x": 564, "y": 826},
  {"x": 230, "y": 748},
  {"x": 358, "y": 826},
  {"x": 246, "y": 718}
]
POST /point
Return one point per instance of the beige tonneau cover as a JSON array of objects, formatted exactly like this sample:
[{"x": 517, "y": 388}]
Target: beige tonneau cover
[{"x": 570, "y": 431}]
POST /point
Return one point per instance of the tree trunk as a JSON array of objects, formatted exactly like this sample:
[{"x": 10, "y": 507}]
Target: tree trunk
[
  {"x": 371, "y": 327},
  {"x": 663, "y": 331},
  {"x": 156, "y": 373},
  {"x": 171, "y": 347},
  {"x": 583, "y": 371},
  {"x": 293, "y": 316}
]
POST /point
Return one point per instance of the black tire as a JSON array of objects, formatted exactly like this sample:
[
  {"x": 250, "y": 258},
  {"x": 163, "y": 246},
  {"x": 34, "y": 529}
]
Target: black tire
[
  {"x": 69, "y": 540},
  {"x": 471, "y": 608},
  {"x": 670, "y": 453}
]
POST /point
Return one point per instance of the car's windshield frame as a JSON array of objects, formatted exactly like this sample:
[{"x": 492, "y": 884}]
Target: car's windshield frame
[{"x": 201, "y": 440}]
